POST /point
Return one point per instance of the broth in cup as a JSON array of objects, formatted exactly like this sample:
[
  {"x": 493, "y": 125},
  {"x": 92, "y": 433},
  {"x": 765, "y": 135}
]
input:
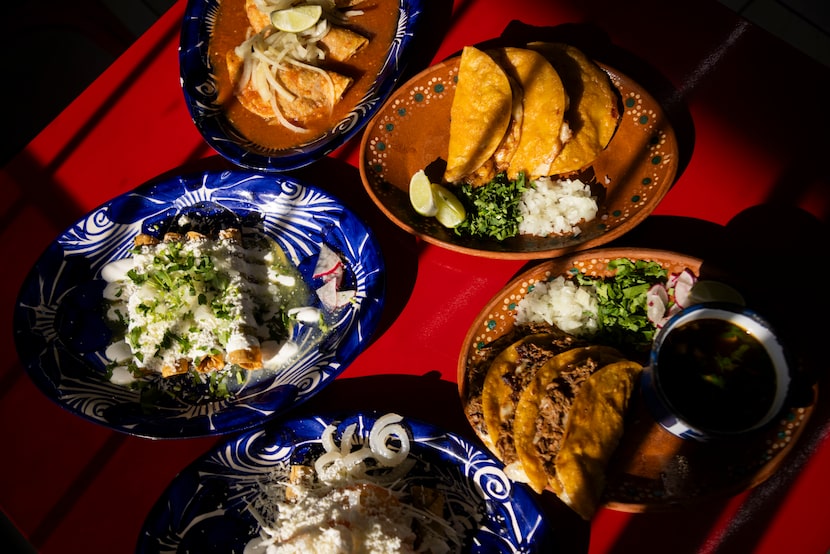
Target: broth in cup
[{"x": 716, "y": 370}]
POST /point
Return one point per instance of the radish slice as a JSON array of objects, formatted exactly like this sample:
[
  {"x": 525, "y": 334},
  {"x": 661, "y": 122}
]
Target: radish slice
[
  {"x": 329, "y": 267},
  {"x": 344, "y": 297},
  {"x": 683, "y": 287},
  {"x": 328, "y": 294},
  {"x": 332, "y": 298},
  {"x": 656, "y": 300}
]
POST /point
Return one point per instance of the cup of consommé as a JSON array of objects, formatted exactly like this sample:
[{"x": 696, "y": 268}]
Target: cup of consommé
[{"x": 716, "y": 371}]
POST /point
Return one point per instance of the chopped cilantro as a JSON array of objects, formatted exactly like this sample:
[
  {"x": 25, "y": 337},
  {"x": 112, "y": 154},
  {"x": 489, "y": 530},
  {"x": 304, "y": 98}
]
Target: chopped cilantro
[
  {"x": 622, "y": 312},
  {"x": 492, "y": 209}
]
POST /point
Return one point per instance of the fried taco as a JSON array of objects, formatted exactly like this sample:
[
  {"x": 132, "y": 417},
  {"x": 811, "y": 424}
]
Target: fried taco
[
  {"x": 569, "y": 421},
  {"x": 500, "y": 160},
  {"x": 508, "y": 375},
  {"x": 480, "y": 114},
  {"x": 593, "y": 112},
  {"x": 544, "y": 101},
  {"x": 475, "y": 372}
]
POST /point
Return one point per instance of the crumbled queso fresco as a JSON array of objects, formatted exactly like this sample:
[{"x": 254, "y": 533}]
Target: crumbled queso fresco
[{"x": 191, "y": 302}]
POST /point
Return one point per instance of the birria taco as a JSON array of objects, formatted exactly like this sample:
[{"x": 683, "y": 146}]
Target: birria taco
[
  {"x": 544, "y": 101},
  {"x": 569, "y": 421},
  {"x": 480, "y": 113},
  {"x": 508, "y": 375},
  {"x": 541, "y": 110},
  {"x": 593, "y": 112}
]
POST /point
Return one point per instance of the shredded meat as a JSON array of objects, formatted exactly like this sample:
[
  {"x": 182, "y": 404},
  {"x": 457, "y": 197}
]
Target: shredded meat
[
  {"x": 507, "y": 446},
  {"x": 534, "y": 355},
  {"x": 554, "y": 408},
  {"x": 476, "y": 415},
  {"x": 531, "y": 355},
  {"x": 476, "y": 372}
]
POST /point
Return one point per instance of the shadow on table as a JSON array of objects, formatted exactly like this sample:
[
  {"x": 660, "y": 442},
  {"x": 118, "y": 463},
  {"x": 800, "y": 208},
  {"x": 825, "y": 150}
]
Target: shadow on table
[
  {"x": 771, "y": 262},
  {"x": 436, "y": 20}
]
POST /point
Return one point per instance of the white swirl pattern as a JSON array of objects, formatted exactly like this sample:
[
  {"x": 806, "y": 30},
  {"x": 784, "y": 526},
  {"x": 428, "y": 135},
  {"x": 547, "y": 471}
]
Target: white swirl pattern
[{"x": 61, "y": 334}]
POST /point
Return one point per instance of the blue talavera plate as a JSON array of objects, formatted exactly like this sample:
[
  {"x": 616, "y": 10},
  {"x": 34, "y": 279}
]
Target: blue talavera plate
[
  {"x": 205, "y": 508},
  {"x": 198, "y": 82},
  {"x": 61, "y": 332}
]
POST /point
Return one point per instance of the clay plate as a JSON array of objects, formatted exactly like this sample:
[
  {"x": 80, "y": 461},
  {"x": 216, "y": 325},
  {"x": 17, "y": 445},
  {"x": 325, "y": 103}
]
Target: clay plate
[
  {"x": 411, "y": 132},
  {"x": 652, "y": 470}
]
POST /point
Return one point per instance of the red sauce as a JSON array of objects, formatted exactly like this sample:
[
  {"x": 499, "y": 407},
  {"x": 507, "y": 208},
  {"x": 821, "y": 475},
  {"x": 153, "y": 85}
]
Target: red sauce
[{"x": 378, "y": 23}]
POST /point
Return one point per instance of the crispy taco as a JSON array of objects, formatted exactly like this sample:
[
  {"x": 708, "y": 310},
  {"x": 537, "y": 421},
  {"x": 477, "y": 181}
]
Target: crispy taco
[
  {"x": 508, "y": 375},
  {"x": 593, "y": 112},
  {"x": 595, "y": 430},
  {"x": 569, "y": 420},
  {"x": 544, "y": 101},
  {"x": 480, "y": 114},
  {"x": 500, "y": 160},
  {"x": 476, "y": 371}
]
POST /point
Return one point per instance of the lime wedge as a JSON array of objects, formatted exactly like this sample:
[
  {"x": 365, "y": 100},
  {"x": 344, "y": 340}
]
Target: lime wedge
[
  {"x": 421, "y": 196},
  {"x": 451, "y": 211},
  {"x": 296, "y": 19}
]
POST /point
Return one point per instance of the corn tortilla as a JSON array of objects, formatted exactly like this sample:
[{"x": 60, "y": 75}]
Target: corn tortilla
[
  {"x": 593, "y": 113},
  {"x": 496, "y": 403},
  {"x": 480, "y": 113},
  {"x": 544, "y": 103},
  {"x": 529, "y": 409},
  {"x": 594, "y": 430}
]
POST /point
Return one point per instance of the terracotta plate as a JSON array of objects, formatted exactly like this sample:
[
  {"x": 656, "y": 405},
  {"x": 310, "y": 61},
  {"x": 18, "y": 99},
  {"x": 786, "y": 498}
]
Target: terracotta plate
[
  {"x": 411, "y": 132},
  {"x": 651, "y": 470}
]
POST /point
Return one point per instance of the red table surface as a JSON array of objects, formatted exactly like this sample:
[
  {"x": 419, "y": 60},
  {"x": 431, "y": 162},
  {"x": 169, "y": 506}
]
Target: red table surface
[{"x": 751, "y": 116}]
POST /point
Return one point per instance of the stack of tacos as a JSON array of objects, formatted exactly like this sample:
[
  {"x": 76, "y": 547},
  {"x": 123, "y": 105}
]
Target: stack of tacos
[
  {"x": 552, "y": 408},
  {"x": 545, "y": 109}
]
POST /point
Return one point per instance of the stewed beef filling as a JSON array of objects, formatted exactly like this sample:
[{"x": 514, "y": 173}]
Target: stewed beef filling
[{"x": 554, "y": 408}]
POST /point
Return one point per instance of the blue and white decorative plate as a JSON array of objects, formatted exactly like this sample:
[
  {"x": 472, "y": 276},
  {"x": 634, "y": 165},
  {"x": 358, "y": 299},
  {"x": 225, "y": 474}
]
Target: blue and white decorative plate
[
  {"x": 61, "y": 333},
  {"x": 198, "y": 81},
  {"x": 205, "y": 508}
]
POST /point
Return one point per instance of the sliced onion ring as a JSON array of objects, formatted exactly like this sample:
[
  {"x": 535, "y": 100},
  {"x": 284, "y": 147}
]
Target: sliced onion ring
[{"x": 387, "y": 427}]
